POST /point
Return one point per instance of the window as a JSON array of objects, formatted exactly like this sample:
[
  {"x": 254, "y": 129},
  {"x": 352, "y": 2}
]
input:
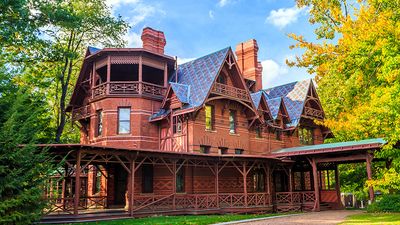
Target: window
[
  {"x": 99, "y": 129},
  {"x": 238, "y": 151},
  {"x": 177, "y": 124},
  {"x": 259, "y": 132},
  {"x": 209, "y": 117},
  {"x": 124, "y": 120},
  {"x": 205, "y": 149},
  {"x": 258, "y": 181},
  {"x": 147, "y": 178},
  {"x": 232, "y": 121},
  {"x": 306, "y": 136},
  {"x": 221, "y": 79},
  {"x": 223, "y": 150},
  {"x": 278, "y": 135},
  {"x": 97, "y": 181},
  {"x": 327, "y": 180},
  {"x": 180, "y": 180}
]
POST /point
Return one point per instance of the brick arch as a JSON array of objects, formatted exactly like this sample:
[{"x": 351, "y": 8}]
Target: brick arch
[
  {"x": 238, "y": 144},
  {"x": 222, "y": 143},
  {"x": 205, "y": 140}
]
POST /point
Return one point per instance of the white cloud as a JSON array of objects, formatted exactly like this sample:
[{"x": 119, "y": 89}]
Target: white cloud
[
  {"x": 117, "y": 3},
  {"x": 272, "y": 71},
  {"x": 133, "y": 39},
  {"x": 211, "y": 14},
  {"x": 284, "y": 16},
  {"x": 222, "y": 3},
  {"x": 184, "y": 60},
  {"x": 142, "y": 11}
]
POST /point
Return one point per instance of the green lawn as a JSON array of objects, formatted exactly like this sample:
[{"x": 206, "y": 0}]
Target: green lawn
[
  {"x": 373, "y": 219},
  {"x": 187, "y": 220}
]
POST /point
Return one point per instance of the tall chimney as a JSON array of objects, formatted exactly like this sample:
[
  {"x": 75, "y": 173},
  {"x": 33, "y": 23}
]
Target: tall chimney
[
  {"x": 249, "y": 65},
  {"x": 153, "y": 40}
]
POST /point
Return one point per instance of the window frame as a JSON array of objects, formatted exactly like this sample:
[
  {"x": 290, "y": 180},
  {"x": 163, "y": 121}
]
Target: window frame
[
  {"x": 223, "y": 150},
  {"x": 147, "y": 177},
  {"x": 239, "y": 151},
  {"x": 205, "y": 149},
  {"x": 180, "y": 180},
  {"x": 119, "y": 121},
  {"x": 99, "y": 122},
  {"x": 177, "y": 124},
  {"x": 232, "y": 121},
  {"x": 305, "y": 135},
  {"x": 210, "y": 125}
]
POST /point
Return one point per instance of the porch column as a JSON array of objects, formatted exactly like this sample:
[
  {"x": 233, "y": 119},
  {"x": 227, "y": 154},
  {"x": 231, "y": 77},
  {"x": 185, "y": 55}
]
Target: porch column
[
  {"x": 290, "y": 180},
  {"x": 316, "y": 184},
  {"x": 268, "y": 181},
  {"x": 369, "y": 175},
  {"x": 93, "y": 79},
  {"x": 337, "y": 187},
  {"x": 140, "y": 75},
  {"x": 174, "y": 184},
  {"x": 217, "y": 183},
  {"x": 245, "y": 183},
  {"x": 108, "y": 74},
  {"x": 132, "y": 187},
  {"x": 77, "y": 181}
]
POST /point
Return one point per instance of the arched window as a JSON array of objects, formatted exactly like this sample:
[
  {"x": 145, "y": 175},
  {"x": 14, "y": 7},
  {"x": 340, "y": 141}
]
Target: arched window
[{"x": 221, "y": 79}]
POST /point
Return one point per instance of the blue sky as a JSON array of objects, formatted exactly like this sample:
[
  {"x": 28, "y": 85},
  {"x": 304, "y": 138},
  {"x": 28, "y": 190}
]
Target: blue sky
[{"x": 197, "y": 28}]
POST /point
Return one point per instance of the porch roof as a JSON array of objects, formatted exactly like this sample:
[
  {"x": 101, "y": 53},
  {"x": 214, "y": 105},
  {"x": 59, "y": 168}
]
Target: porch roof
[
  {"x": 374, "y": 143},
  {"x": 68, "y": 147}
]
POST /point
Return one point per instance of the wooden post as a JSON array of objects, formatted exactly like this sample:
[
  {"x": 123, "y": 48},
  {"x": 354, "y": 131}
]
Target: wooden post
[
  {"x": 316, "y": 184},
  {"x": 108, "y": 74},
  {"x": 290, "y": 180},
  {"x": 369, "y": 175},
  {"x": 217, "y": 183},
  {"x": 166, "y": 75},
  {"x": 337, "y": 187},
  {"x": 77, "y": 181},
  {"x": 132, "y": 187},
  {"x": 268, "y": 181},
  {"x": 174, "y": 184},
  {"x": 140, "y": 75},
  {"x": 245, "y": 183},
  {"x": 93, "y": 79}
]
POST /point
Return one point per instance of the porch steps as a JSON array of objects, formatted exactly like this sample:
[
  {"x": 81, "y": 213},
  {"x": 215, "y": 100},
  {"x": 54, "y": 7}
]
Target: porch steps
[
  {"x": 86, "y": 217},
  {"x": 325, "y": 206}
]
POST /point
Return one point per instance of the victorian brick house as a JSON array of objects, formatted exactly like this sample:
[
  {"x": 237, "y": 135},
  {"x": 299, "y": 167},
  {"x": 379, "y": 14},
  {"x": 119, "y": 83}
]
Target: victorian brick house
[{"x": 200, "y": 137}]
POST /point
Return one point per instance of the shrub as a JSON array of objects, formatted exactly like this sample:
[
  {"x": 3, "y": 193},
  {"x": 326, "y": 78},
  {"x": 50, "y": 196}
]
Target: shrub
[{"x": 388, "y": 203}]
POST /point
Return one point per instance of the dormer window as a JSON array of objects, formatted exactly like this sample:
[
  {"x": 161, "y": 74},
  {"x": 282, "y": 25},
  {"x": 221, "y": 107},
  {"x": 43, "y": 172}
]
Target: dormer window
[{"x": 124, "y": 120}]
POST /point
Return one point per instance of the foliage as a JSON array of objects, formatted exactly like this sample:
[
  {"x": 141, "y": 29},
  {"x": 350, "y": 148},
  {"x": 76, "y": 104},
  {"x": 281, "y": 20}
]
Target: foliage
[
  {"x": 23, "y": 170},
  {"x": 198, "y": 220},
  {"x": 356, "y": 62},
  {"x": 373, "y": 218},
  {"x": 388, "y": 203}
]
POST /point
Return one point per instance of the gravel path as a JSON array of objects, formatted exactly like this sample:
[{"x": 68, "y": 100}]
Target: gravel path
[{"x": 332, "y": 217}]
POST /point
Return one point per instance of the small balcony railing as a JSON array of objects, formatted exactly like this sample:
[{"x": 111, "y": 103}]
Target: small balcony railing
[
  {"x": 226, "y": 90},
  {"x": 81, "y": 113},
  {"x": 308, "y": 111},
  {"x": 128, "y": 88}
]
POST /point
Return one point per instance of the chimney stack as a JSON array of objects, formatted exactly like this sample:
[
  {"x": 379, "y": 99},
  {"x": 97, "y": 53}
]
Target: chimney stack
[
  {"x": 153, "y": 40},
  {"x": 249, "y": 65}
]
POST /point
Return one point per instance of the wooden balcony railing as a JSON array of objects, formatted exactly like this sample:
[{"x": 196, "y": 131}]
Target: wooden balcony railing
[
  {"x": 81, "y": 113},
  {"x": 300, "y": 197},
  {"x": 226, "y": 90},
  {"x": 308, "y": 111},
  {"x": 128, "y": 88}
]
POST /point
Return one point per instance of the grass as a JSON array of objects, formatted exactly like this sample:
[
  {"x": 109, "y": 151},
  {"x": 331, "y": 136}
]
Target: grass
[
  {"x": 373, "y": 219},
  {"x": 181, "y": 220}
]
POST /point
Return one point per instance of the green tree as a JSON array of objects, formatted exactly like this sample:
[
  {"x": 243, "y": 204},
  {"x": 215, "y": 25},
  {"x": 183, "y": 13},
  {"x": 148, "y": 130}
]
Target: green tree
[
  {"x": 357, "y": 66},
  {"x": 23, "y": 169}
]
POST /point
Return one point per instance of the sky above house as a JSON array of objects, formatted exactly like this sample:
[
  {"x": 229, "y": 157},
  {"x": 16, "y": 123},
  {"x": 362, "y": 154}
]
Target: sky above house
[{"x": 197, "y": 28}]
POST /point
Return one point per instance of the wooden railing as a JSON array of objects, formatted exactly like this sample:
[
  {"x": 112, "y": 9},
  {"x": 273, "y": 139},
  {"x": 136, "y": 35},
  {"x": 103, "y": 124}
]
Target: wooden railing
[
  {"x": 66, "y": 205},
  {"x": 308, "y": 111},
  {"x": 294, "y": 197},
  {"x": 81, "y": 113},
  {"x": 127, "y": 88},
  {"x": 226, "y": 90}
]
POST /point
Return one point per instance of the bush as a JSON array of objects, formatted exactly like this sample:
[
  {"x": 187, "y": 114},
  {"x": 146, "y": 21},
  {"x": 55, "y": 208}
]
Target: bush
[{"x": 388, "y": 203}]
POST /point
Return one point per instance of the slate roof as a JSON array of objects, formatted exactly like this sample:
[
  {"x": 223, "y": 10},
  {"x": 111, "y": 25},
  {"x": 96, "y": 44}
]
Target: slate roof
[
  {"x": 181, "y": 91},
  {"x": 332, "y": 146},
  {"x": 274, "y": 105},
  {"x": 256, "y": 97},
  {"x": 294, "y": 95}
]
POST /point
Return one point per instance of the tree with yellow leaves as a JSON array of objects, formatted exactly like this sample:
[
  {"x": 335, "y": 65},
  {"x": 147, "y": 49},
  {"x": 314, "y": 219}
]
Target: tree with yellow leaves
[{"x": 356, "y": 62}]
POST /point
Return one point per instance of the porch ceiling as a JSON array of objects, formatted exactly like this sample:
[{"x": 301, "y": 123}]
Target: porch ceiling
[{"x": 375, "y": 143}]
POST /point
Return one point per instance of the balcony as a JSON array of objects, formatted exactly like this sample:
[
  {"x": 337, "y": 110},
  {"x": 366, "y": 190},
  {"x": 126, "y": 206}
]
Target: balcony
[
  {"x": 311, "y": 112},
  {"x": 81, "y": 113},
  {"x": 128, "y": 89},
  {"x": 229, "y": 91}
]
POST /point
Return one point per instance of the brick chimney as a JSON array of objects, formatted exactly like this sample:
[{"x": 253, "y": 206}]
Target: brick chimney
[
  {"x": 153, "y": 40},
  {"x": 249, "y": 65}
]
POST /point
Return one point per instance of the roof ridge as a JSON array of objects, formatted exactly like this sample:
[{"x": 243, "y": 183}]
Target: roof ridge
[
  {"x": 204, "y": 56},
  {"x": 286, "y": 84}
]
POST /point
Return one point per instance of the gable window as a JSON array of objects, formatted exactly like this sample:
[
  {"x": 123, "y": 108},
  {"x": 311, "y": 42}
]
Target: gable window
[
  {"x": 209, "y": 110},
  {"x": 124, "y": 120},
  {"x": 205, "y": 149},
  {"x": 223, "y": 150},
  {"x": 177, "y": 124},
  {"x": 306, "y": 136},
  {"x": 259, "y": 132},
  {"x": 239, "y": 151},
  {"x": 180, "y": 180},
  {"x": 147, "y": 178},
  {"x": 221, "y": 79},
  {"x": 232, "y": 121},
  {"x": 99, "y": 126}
]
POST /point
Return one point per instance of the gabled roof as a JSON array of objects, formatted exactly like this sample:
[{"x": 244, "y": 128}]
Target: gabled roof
[
  {"x": 274, "y": 105},
  {"x": 256, "y": 97},
  {"x": 294, "y": 96},
  {"x": 181, "y": 91},
  {"x": 331, "y": 147}
]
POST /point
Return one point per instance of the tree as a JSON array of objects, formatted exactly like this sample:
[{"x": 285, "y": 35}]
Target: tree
[
  {"x": 356, "y": 61},
  {"x": 23, "y": 170}
]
